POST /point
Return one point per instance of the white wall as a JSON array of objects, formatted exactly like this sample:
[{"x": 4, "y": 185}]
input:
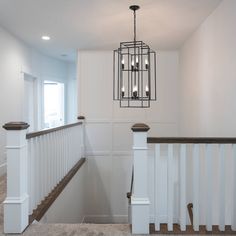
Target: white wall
[
  {"x": 15, "y": 59},
  {"x": 71, "y": 90},
  {"x": 69, "y": 207},
  {"x": 207, "y": 95},
  {"x": 108, "y": 133},
  {"x": 208, "y": 76}
]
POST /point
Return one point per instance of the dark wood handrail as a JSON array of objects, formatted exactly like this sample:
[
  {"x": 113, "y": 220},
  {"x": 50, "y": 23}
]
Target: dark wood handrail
[
  {"x": 47, "y": 131},
  {"x": 42, "y": 208},
  {"x": 216, "y": 140},
  {"x": 129, "y": 194}
]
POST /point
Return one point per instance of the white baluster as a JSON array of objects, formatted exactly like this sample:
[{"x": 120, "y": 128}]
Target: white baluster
[
  {"x": 222, "y": 188},
  {"x": 183, "y": 187},
  {"x": 44, "y": 180},
  {"x": 52, "y": 167},
  {"x": 170, "y": 187},
  {"x": 73, "y": 146},
  {"x": 64, "y": 154},
  {"x": 29, "y": 175},
  {"x": 55, "y": 157},
  {"x": 234, "y": 189},
  {"x": 208, "y": 187},
  {"x": 59, "y": 155},
  {"x": 41, "y": 170},
  {"x": 196, "y": 169},
  {"x": 47, "y": 167},
  {"x": 52, "y": 157},
  {"x": 68, "y": 151},
  {"x": 33, "y": 174},
  {"x": 37, "y": 187},
  {"x": 158, "y": 192}
]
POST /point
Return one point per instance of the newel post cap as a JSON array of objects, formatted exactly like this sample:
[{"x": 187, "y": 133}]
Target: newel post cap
[
  {"x": 16, "y": 126},
  {"x": 81, "y": 118},
  {"x": 140, "y": 127}
]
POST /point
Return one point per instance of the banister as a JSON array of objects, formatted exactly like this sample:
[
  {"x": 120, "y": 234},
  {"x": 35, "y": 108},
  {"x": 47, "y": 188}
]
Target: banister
[
  {"x": 129, "y": 194},
  {"x": 47, "y": 131},
  {"x": 52, "y": 196},
  {"x": 213, "y": 140}
]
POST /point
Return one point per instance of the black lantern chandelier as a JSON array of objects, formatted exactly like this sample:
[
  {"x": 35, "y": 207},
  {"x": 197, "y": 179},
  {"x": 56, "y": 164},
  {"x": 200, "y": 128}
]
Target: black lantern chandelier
[{"x": 134, "y": 72}]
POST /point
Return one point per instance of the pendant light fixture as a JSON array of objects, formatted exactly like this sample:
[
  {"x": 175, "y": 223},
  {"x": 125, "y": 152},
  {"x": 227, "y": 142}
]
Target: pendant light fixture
[{"x": 134, "y": 72}]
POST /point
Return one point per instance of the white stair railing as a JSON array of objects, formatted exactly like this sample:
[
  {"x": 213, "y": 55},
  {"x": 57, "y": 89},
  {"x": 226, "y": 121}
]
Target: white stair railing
[
  {"x": 200, "y": 171},
  {"x": 208, "y": 178},
  {"x": 36, "y": 163}
]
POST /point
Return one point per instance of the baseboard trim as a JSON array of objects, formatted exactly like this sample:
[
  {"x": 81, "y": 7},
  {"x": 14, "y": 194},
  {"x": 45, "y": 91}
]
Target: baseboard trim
[{"x": 106, "y": 219}]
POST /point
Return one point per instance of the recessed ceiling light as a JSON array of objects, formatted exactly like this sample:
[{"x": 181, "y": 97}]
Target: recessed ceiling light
[{"x": 45, "y": 37}]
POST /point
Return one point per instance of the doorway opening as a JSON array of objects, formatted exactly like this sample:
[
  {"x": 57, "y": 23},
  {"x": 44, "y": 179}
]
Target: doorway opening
[
  {"x": 30, "y": 102},
  {"x": 54, "y": 104}
]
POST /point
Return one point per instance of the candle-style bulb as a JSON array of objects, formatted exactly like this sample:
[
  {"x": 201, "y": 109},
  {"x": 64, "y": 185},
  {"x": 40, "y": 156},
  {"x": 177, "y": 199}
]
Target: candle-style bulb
[
  {"x": 132, "y": 65},
  {"x": 147, "y": 91},
  {"x": 137, "y": 63},
  {"x": 123, "y": 63},
  {"x": 135, "y": 91},
  {"x": 123, "y": 91},
  {"x": 146, "y": 63}
]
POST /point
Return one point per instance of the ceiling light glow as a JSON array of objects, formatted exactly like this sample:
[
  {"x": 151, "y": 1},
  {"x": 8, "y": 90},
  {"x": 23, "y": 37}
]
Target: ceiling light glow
[{"x": 45, "y": 37}]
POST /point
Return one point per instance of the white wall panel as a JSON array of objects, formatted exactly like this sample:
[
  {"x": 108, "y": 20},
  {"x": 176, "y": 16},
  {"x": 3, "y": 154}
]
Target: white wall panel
[
  {"x": 122, "y": 137},
  {"x": 95, "y": 80},
  {"x": 98, "y": 138},
  {"x": 108, "y": 128},
  {"x": 69, "y": 207}
]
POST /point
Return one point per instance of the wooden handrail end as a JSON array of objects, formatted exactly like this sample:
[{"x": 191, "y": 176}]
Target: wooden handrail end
[
  {"x": 140, "y": 127},
  {"x": 81, "y": 118},
  {"x": 16, "y": 126}
]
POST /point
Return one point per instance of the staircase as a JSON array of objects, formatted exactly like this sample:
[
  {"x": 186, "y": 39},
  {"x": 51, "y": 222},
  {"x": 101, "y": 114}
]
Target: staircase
[{"x": 48, "y": 161}]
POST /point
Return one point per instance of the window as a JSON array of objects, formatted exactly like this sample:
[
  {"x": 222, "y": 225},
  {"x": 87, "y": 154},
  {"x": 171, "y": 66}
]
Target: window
[{"x": 53, "y": 104}]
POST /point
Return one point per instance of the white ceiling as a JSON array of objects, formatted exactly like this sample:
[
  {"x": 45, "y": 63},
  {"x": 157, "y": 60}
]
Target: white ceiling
[{"x": 102, "y": 24}]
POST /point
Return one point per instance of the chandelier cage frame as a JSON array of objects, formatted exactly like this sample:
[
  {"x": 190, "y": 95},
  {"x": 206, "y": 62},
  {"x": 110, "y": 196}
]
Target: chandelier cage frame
[{"x": 134, "y": 72}]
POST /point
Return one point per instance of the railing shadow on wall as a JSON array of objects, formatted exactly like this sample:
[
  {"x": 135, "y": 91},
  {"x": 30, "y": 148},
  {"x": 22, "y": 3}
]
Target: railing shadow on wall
[
  {"x": 197, "y": 175},
  {"x": 39, "y": 166}
]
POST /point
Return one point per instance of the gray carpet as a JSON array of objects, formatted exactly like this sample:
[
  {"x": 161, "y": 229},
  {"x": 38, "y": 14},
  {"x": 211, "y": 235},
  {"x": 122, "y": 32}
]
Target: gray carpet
[
  {"x": 78, "y": 229},
  {"x": 64, "y": 229}
]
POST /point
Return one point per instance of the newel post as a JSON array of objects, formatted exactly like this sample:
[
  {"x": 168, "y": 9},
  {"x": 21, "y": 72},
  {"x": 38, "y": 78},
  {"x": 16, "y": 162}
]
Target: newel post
[
  {"x": 139, "y": 199},
  {"x": 16, "y": 203},
  {"x": 82, "y": 119}
]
